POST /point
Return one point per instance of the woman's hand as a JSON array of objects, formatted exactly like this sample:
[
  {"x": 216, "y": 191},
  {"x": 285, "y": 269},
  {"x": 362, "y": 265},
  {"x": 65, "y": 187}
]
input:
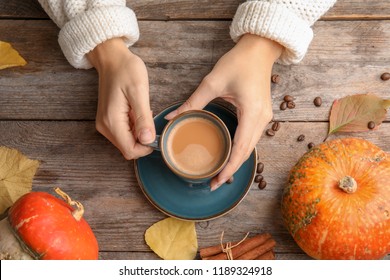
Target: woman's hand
[
  {"x": 242, "y": 77},
  {"x": 123, "y": 113}
]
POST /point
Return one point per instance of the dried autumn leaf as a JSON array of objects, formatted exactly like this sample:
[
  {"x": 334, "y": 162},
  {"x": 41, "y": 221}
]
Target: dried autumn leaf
[
  {"x": 353, "y": 113},
  {"x": 173, "y": 239},
  {"x": 9, "y": 57},
  {"x": 16, "y": 175}
]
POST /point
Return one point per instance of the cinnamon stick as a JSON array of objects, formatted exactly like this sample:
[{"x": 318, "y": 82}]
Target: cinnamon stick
[
  {"x": 270, "y": 255},
  {"x": 258, "y": 251},
  {"x": 245, "y": 246},
  {"x": 213, "y": 250}
]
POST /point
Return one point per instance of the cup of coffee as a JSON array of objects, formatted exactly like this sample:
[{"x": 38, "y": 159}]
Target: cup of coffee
[{"x": 195, "y": 145}]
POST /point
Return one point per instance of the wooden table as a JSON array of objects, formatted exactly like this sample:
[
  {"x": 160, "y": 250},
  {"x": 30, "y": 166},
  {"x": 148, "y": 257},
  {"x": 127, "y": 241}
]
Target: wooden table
[{"x": 47, "y": 109}]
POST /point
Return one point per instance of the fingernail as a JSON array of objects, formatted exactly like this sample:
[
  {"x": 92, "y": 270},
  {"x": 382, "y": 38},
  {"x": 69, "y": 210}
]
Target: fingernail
[
  {"x": 217, "y": 185},
  {"x": 213, "y": 188},
  {"x": 145, "y": 136},
  {"x": 171, "y": 115}
]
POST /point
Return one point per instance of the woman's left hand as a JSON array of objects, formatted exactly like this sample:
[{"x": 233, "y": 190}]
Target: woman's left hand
[{"x": 242, "y": 77}]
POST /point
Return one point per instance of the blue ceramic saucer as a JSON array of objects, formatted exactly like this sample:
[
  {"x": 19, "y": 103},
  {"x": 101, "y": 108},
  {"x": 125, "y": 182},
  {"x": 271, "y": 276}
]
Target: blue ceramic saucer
[{"x": 177, "y": 198}]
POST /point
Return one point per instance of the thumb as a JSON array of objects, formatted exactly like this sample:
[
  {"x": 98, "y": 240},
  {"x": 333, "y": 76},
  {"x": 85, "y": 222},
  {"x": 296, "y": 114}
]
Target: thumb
[
  {"x": 145, "y": 130},
  {"x": 197, "y": 101}
]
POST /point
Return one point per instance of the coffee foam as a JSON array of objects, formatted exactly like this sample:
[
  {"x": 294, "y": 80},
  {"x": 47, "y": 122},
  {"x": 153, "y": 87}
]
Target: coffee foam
[{"x": 196, "y": 146}]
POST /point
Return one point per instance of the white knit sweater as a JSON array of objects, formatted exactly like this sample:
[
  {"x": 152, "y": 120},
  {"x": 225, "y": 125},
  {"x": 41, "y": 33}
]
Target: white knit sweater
[
  {"x": 287, "y": 22},
  {"x": 86, "y": 23}
]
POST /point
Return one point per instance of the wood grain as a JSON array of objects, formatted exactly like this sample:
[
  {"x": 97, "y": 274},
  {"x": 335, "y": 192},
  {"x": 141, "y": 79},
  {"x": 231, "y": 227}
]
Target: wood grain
[
  {"x": 207, "y": 9},
  {"x": 21, "y": 9},
  {"x": 84, "y": 164},
  {"x": 152, "y": 256},
  {"x": 335, "y": 66},
  {"x": 202, "y": 9}
]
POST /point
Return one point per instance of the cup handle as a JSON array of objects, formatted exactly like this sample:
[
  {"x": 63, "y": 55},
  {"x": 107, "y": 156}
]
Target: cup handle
[{"x": 155, "y": 144}]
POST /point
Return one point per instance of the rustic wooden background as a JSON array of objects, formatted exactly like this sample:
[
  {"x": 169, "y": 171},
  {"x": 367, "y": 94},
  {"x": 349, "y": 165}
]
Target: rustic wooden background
[{"x": 47, "y": 109}]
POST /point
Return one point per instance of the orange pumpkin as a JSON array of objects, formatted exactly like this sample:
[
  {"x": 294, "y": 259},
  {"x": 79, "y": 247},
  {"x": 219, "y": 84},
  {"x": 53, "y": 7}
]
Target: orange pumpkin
[
  {"x": 336, "y": 204},
  {"x": 41, "y": 226}
]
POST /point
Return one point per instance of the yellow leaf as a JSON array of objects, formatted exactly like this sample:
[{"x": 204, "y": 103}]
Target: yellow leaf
[
  {"x": 16, "y": 175},
  {"x": 9, "y": 57},
  {"x": 173, "y": 239}
]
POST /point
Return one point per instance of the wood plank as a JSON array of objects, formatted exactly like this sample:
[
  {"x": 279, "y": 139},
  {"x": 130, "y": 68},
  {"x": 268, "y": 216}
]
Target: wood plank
[
  {"x": 152, "y": 256},
  {"x": 128, "y": 256},
  {"x": 84, "y": 164},
  {"x": 204, "y": 9},
  {"x": 21, "y": 9},
  {"x": 49, "y": 88}
]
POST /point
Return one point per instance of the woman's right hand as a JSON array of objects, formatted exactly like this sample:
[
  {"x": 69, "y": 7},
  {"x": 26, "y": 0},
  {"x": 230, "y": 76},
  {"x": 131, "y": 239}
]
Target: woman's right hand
[{"x": 123, "y": 114}]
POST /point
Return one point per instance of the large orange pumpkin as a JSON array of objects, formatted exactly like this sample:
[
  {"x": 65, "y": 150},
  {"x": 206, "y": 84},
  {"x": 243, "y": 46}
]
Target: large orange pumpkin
[{"x": 336, "y": 204}]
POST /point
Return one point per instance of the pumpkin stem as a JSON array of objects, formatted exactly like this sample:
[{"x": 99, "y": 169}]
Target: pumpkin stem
[
  {"x": 79, "y": 211},
  {"x": 348, "y": 184}
]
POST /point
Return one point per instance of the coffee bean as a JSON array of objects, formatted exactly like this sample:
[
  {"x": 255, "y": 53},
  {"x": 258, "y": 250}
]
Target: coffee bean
[
  {"x": 230, "y": 180},
  {"x": 317, "y": 101},
  {"x": 371, "y": 125},
  {"x": 288, "y": 98},
  {"x": 258, "y": 178},
  {"x": 262, "y": 184},
  {"x": 270, "y": 132},
  {"x": 276, "y": 126},
  {"x": 311, "y": 145},
  {"x": 283, "y": 106},
  {"x": 301, "y": 138},
  {"x": 275, "y": 79},
  {"x": 291, "y": 105},
  {"x": 385, "y": 76},
  {"x": 260, "y": 167}
]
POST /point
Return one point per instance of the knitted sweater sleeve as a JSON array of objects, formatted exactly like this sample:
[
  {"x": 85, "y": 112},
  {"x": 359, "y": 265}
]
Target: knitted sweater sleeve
[
  {"x": 287, "y": 22},
  {"x": 86, "y": 23}
]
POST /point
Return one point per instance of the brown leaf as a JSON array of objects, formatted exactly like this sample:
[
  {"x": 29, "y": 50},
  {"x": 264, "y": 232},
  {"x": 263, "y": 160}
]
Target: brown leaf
[
  {"x": 16, "y": 175},
  {"x": 352, "y": 113},
  {"x": 173, "y": 239},
  {"x": 9, "y": 57}
]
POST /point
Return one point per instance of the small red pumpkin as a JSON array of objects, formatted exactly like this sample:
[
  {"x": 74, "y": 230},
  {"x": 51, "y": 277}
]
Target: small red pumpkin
[
  {"x": 49, "y": 228},
  {"x": 337, "y": 201}
]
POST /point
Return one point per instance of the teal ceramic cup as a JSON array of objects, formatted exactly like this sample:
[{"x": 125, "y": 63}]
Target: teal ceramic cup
[{"x": 195, "y": 145}]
